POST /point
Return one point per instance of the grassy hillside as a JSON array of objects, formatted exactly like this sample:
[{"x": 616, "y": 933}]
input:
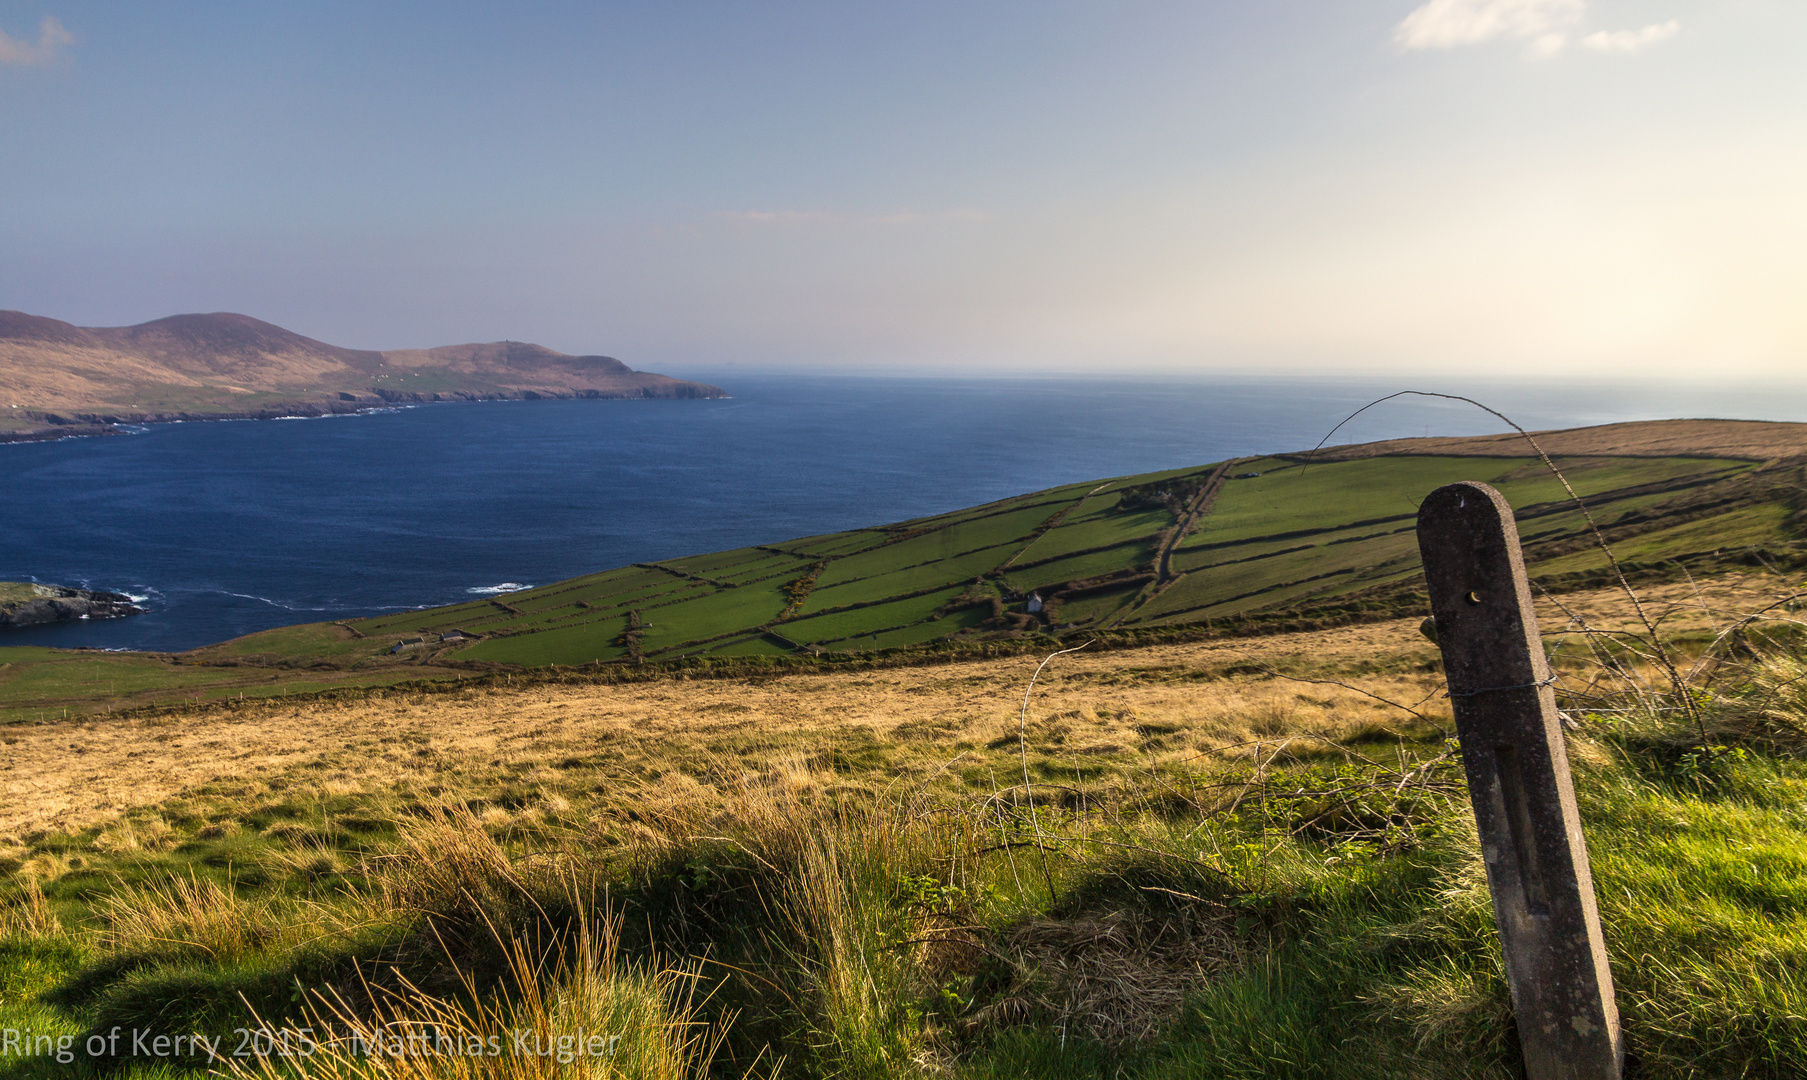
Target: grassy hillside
[
  {"x": 1202, "y": 545},
  {"x": 1294, "y": 536},
  {"x": 1246, "y": 546},
  {"x": 1224, "y": 858}
]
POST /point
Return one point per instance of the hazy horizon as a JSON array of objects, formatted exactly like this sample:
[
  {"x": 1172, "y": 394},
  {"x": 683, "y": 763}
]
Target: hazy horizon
[{"x": 1526, "y": 188}]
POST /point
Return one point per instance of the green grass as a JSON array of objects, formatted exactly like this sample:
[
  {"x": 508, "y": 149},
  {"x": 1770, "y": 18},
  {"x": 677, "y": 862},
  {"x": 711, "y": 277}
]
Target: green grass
[
  {"x": 1097, "y": 606},
  {"x": 1131, "y": 555},
  {"x": 1194, "y": 558},
  {"x": 837, "y": 544},
  {"x": 779, "y": 566},
  {"x": 1295, "y": 593},
  {"x": 310, "y": 640},
  {"x": 30, "y": 654},
  {"x": 950, "y": 571},
  {"x": 918, "y": 633},
  {"x": 570, "y": 645},
  {"x": 945, "y": 543},
  {"x": 1296, "y": 497},
  {"x": 710, "y": 563},
  {"x": 759, "y": 645},
  {"x": 1102, "y": 527},
  {"x": 1766, "y": 526},
  {"x": 43, "y": 685},
  {"x": 710, "y": 614},
  {"x": 14, "y": 591},
  {"x": 866, "y": 620},
  {"x": 1219, "y": 583},
  {"x": 654, "y": 587}
]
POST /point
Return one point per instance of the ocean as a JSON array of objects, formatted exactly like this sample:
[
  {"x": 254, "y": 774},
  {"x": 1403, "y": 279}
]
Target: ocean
[{"x": 226, "y": 528}]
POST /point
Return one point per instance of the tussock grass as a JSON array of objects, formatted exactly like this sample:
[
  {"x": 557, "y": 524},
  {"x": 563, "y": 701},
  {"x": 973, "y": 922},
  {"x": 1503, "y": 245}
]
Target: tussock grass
[
  {"x": 31, "y": 916},
  {"x": 573, "y": 1005},
  {"x": 1770, "y": 709},
  {"x": 187, "y": 914}
]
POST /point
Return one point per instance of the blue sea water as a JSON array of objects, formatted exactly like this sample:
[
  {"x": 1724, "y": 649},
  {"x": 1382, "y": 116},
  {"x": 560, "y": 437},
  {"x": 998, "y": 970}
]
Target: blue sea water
[{"x": 226, "y": 528}]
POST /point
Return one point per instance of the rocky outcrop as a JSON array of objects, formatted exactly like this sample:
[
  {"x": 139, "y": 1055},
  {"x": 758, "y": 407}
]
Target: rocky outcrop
[{"x": 27, "y": 604}]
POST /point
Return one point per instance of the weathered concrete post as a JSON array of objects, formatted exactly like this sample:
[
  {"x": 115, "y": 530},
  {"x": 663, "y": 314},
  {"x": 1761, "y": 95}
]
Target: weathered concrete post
[{"x": 1518, "y": 779}]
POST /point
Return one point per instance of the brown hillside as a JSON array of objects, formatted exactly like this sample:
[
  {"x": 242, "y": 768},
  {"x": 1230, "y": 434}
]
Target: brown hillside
[
  {"x": 57, "y": 378},
  {"x": 1754, "y": 440}
]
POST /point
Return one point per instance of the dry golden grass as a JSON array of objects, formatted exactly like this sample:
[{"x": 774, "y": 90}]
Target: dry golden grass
[
  {"x": 188, "y": 913},
  {"x": 69, "y": 776},
  {"x": 31, "y": 918},
  {"x": 590, "y": 1012},
  {"x": 655, "y": 739}
]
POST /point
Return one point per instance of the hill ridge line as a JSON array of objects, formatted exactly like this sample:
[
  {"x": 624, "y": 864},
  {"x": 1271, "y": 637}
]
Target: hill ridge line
[{"x": 58, "y": 379}]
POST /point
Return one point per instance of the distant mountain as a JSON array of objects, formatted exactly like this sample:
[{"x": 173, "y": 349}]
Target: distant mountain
[{"x": 57, "y": 378}]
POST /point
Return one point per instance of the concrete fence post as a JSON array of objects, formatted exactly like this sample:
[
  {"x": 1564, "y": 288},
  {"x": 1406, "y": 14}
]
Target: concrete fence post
[{"x": 1519, "y": 782}]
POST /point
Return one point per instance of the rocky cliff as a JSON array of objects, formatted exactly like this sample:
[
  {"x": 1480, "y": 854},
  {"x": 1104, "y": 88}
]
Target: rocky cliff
[{"x": 27, "y": 604}]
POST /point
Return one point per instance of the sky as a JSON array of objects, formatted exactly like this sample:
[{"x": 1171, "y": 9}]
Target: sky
[{"x": 1536, "y": 188}]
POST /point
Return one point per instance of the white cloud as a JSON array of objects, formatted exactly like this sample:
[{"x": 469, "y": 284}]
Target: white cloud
[
  {"x": 1543, "y": 24},
  {"x": 51, "y": 37},
  {"x": 1444, "y": 24},
  {"x": 1626, "y": 41},
  {"x": 1547, "y": 46}
]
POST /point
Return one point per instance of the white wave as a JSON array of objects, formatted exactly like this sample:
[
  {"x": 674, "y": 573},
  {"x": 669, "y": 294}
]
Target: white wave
[
  {"x": 367, "y": 411},
  {"x": 492, "y": 590},
  {"x": 272, "y": 603},
  {"x": 151, "y": 593}
]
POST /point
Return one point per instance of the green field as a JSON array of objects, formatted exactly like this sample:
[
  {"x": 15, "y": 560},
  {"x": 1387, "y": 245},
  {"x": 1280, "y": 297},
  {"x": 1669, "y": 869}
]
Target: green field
[
  {"x": 39, "y": 685},
  {"x": 1303, "y": 539}
]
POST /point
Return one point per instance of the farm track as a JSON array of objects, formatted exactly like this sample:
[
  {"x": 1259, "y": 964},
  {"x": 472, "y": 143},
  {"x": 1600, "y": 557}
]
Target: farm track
[
  {"x": 1164, "y": 576},
  {"x": 1201, "y": 505}
]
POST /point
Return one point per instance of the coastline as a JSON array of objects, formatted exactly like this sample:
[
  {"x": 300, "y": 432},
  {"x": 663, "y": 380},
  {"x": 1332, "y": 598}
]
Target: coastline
[{"x": 73, "y": 425}]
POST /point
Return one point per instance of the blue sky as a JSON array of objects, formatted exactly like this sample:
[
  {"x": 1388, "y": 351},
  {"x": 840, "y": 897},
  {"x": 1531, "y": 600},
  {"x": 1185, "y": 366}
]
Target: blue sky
[{"x": 1488, "y": 186}]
